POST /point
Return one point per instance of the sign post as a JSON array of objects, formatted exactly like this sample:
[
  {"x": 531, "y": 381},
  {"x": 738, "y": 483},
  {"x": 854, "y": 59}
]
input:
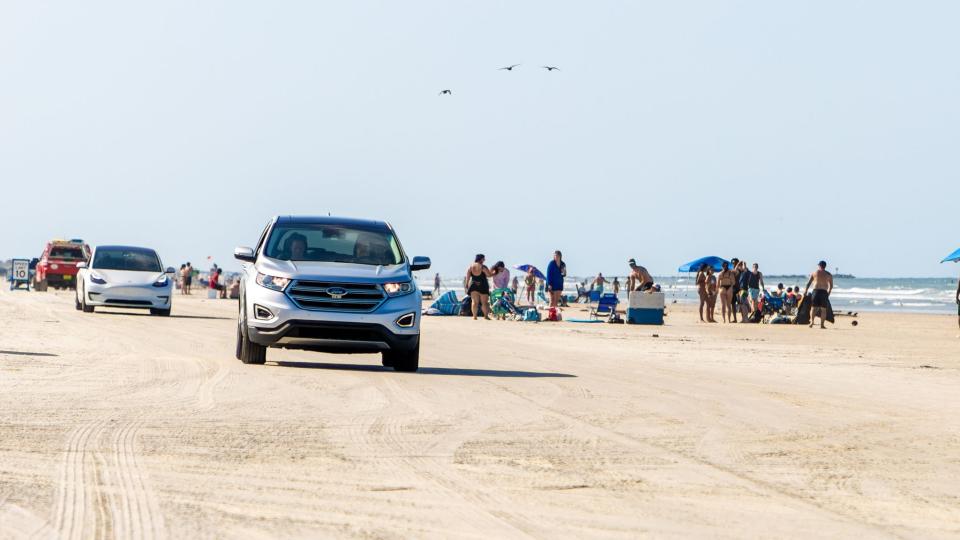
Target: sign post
[{"x": 19, "y": 274}]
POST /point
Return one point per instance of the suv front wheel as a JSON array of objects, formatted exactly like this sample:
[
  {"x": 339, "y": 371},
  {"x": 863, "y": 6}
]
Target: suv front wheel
[
  {"x": 403, "y": 361},
  {"x": 248, "y": 352}
]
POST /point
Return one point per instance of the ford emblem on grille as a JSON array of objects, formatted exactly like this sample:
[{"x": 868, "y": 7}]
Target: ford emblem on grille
[{"x": 336, "y": 292}]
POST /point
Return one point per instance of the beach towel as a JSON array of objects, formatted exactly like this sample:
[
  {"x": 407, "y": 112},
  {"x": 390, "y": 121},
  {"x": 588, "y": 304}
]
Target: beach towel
[{"x": 447, "y": 304}]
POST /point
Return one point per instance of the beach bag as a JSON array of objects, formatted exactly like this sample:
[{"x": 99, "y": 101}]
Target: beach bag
[
  {"x": 553, "y": 314},
  {"x": 531, "y": 315},
  {"x": 465, "y": 307}
]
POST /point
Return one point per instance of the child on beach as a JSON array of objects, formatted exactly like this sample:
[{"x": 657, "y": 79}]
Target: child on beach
[{"x": 530, "y": 282}]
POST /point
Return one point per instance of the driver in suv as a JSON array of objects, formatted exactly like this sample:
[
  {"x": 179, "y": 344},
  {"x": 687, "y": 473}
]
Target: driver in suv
[{"x": 329, "y": 284}]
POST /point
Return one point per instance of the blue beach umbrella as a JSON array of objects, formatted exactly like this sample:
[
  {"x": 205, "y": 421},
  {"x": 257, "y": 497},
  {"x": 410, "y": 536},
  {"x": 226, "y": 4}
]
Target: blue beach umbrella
[
  {"x": 955, "y": 257},
  {"x": 526, "y": 268},
  {"x": 694, "y": 266}
]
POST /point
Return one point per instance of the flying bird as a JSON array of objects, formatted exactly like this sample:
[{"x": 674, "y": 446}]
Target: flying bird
[
  {"x": 509, "y": 68},
  {"x": 551, "y": 68},
  {"x": 442, "y": 92}
]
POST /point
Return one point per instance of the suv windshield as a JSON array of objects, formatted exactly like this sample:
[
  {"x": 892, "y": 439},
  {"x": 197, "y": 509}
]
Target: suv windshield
[
  {"x": 133, "y": 259},
  {"x": 333, "y": 243},
  {"x": 66, "y": 253}
]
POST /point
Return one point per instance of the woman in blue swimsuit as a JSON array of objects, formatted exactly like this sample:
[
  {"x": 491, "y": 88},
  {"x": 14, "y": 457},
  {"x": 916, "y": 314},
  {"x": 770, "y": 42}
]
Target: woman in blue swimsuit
[{"x": 556, "y": 271}]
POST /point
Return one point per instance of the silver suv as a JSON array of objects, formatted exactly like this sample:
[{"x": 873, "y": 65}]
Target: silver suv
[{"x": 329, "y": 284}]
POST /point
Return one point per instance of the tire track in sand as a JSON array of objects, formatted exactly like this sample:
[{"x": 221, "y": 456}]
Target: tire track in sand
[{"x": 74, "y": 507}]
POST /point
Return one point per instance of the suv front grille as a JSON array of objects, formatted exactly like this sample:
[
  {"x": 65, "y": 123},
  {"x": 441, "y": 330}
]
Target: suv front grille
[{"x": 358, "y": 297}]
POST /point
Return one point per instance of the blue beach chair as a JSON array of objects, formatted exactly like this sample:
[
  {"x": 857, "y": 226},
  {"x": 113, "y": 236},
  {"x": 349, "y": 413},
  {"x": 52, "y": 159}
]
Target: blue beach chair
[{"x": 605, "y": 306}]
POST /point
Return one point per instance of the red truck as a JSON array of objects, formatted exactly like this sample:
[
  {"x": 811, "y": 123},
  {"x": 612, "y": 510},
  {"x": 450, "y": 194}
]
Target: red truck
[{"x": 57, "y": 267}]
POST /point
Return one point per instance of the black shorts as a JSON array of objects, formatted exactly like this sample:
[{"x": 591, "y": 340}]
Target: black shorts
[
  {"x": 646, "y": 286},
  {"x": 821, "y": 298}
]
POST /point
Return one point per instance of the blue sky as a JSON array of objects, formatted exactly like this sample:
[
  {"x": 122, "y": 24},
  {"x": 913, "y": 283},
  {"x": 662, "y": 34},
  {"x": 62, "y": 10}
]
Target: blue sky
[{"x": 780, "y": 133}]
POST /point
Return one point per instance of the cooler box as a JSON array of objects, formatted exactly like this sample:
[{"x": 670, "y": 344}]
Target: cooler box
[{"x": 645, "y": 308}]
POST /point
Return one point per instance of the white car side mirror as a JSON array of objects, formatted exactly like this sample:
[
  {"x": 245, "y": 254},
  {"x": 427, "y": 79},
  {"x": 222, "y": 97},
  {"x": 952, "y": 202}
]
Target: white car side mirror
[{"x": 81, "y": 264}]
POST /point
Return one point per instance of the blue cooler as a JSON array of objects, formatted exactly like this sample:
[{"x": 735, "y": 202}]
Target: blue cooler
[{"x": 645, "y": 308}]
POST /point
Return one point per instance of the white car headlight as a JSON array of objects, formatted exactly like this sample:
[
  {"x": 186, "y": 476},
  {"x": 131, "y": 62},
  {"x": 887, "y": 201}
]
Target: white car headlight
[
  {"x": 398, "y": 289},
  {"x": 275, "y": 283},
  {"x": 162, "y": 281}
]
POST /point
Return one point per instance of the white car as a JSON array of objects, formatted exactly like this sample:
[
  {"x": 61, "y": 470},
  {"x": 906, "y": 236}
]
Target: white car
[{"x": 124, "y": 277}]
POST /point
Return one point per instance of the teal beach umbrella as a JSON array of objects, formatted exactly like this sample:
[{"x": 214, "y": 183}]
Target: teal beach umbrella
[{"x": 955, "y": 257}]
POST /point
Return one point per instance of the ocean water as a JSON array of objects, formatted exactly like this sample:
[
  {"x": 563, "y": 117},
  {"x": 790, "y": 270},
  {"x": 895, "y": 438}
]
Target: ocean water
[{"x": 923, "y": 295}]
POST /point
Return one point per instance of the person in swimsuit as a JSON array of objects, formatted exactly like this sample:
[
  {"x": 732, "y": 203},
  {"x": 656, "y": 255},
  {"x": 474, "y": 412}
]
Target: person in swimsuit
[
  {"x": 735, "y": 265},
  {"x": 822, "y": 282},
  {"x": 755, "y": 283},
  {"x": 616, "y": 285},
  {"x": 640, "y": 279},
  {"x": 530, "y": 283},
  {"x": 727, "y": 279},
  {"x": 478, "y": 287},
  {"x": 701, "y": 282},
  {"x": 711, "y": 281},
  {"x": 556, "y": 271},
  {"x": 599, "y": 282},
  {"x": 188, "y": 277}
]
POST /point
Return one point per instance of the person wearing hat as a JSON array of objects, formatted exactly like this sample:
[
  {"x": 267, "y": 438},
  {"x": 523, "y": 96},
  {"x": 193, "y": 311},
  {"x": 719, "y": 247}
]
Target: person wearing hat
[{"x": 639, "y": 279}]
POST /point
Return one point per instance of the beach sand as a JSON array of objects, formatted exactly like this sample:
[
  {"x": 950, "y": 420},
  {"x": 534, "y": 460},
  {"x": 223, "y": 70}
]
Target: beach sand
[{"x": 125, "y": 425}]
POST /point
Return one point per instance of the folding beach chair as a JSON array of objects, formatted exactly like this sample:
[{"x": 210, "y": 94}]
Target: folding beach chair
[
  {"x": 502, "y": 303},
  {"x": 605, "y": 306}
]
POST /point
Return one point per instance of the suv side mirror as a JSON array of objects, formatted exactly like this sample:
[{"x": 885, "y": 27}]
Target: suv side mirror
[
  {"x": 81, "y": 264},
  {"x": 419, "y": 263},
  {"x": 244, "y": 253},
  {"x": 170, "y": 270}
]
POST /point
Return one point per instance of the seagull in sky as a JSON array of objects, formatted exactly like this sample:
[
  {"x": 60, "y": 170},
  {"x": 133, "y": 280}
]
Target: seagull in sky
[
  {"x": 509, "y": 68},
  {"x": 448, "y": 92},
  {"x": 550, "y": 68}
]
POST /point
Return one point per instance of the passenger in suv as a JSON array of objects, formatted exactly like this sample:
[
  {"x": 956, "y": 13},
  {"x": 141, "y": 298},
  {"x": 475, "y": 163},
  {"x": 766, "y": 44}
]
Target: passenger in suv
[{"x": 329, "y": 284}]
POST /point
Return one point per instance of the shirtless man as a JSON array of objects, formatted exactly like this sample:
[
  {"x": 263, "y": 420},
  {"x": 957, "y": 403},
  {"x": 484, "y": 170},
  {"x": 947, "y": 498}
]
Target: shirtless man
[
  {"x": 640, "y": 279},
  {"x": 822, "y": 287}
]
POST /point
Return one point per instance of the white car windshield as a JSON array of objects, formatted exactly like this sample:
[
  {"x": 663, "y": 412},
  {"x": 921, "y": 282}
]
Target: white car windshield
[
  {"x": 333, "y": 243},
  {"x": 131, "y": 259}
]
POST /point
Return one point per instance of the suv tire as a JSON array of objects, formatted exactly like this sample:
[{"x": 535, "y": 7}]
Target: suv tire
[
  {"x": 248, "y": 352},
  {"x": 161, "y": 312},
  {"x": 76, "y": 301},
  {"x": 406, "y": 361},
  {"x": 84, "y": 307}
]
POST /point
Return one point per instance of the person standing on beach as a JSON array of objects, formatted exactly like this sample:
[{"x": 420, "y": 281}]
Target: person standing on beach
[
  {"x": 822, "y": 282},
  {"x": 739, "y": 302},
  {"x": 755, "y": 283},
  {"x": 183, "y": 279},
  {"x": 436, "y": 284},
  {"x": 701, "y": 282},
  {"x": 598, "y": 283},
  {"x": 478, "y": 287},
  {"x": 711, "y": 281},
  {"x": 616, "y": 285},
  {"x": 530, "y": 282},
  {"x": 727, "y": 280},
  {"x": 188, "y": 277},
  {"x": 556, "y": 271},
  {"x": 501, "y": 276},
  {"x": 515, "y": 287}
]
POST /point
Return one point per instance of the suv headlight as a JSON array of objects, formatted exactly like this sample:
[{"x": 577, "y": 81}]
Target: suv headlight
[
  {"x": 398, "y": 289},
  {"x": 96, "y": 278},
  {"x": 162, "y": 281},
  {"x": 275, "y": 283}
]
